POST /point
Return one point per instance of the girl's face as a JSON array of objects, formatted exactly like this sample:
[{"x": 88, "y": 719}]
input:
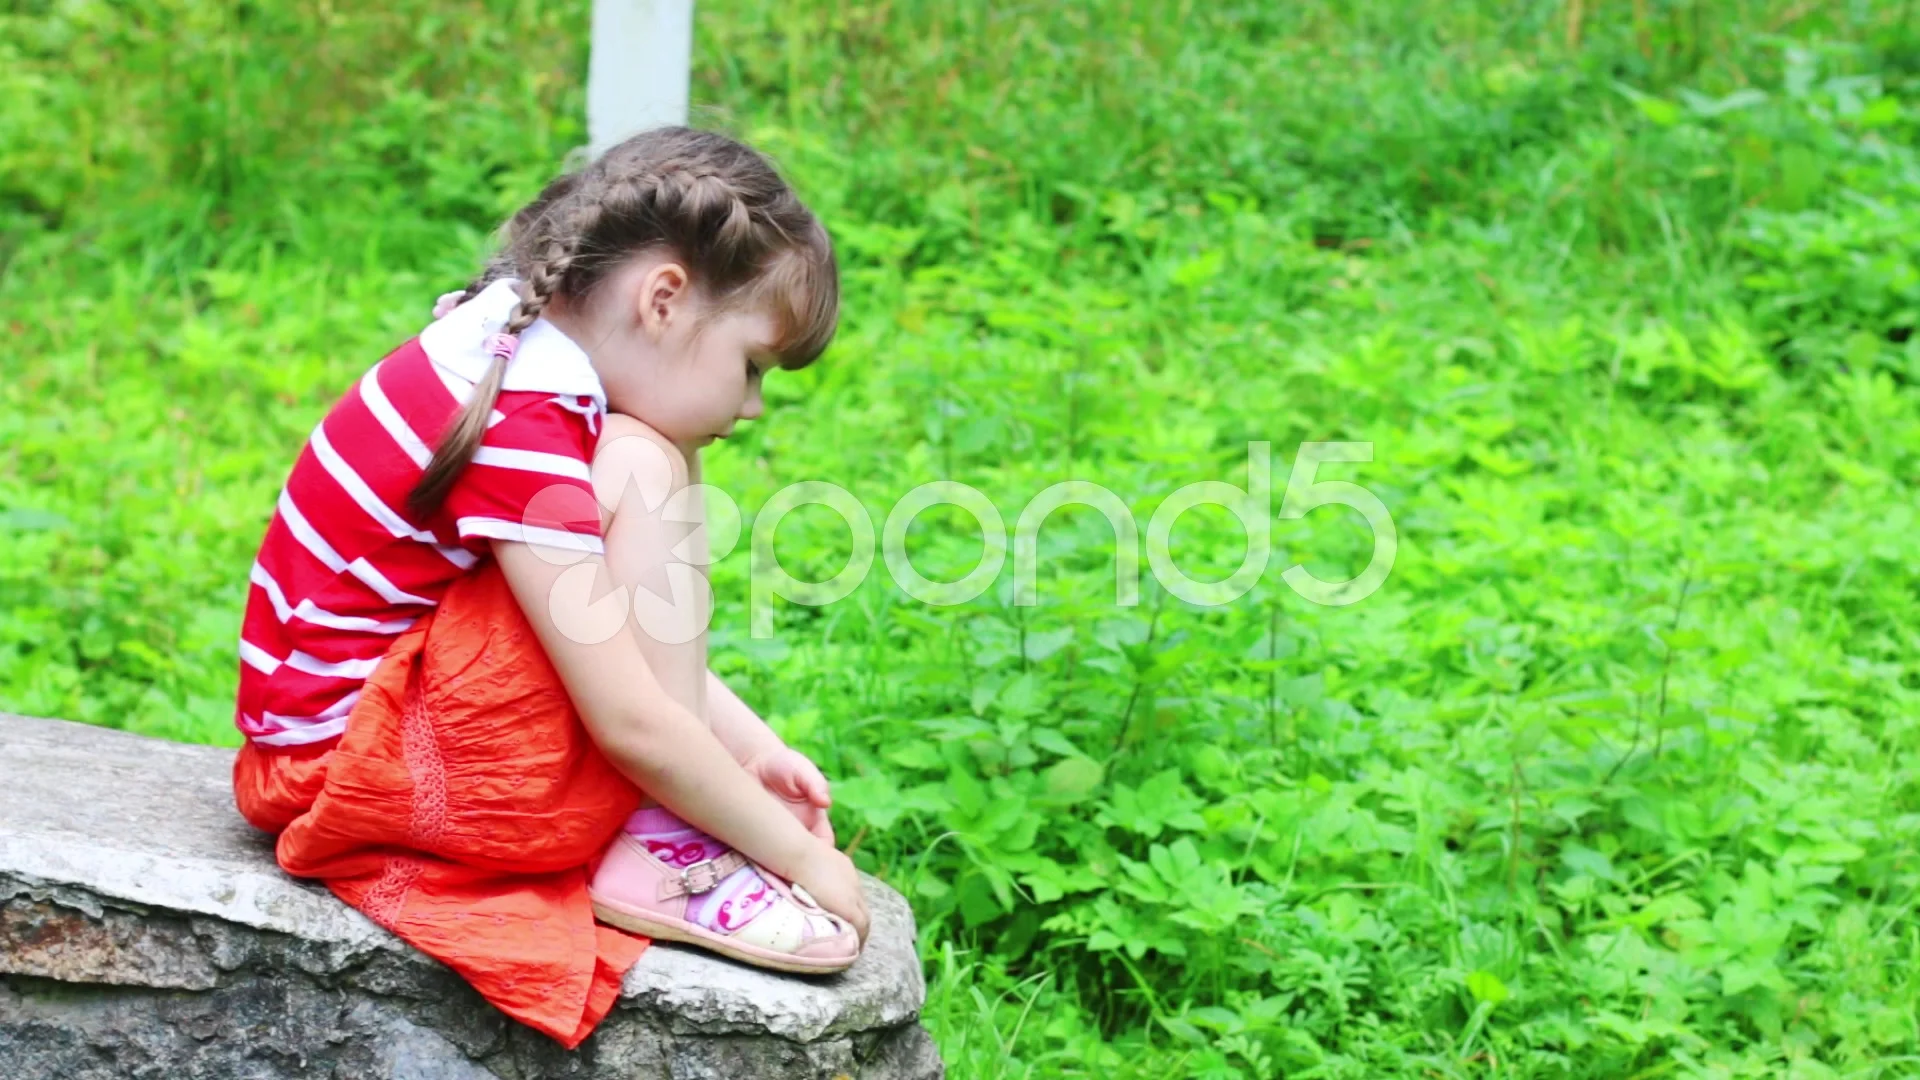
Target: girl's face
[{"x": 666, "y": 359}]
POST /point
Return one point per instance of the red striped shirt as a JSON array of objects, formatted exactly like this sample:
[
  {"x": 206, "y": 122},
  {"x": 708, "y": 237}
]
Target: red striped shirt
[{"x": 345, "y": 567}]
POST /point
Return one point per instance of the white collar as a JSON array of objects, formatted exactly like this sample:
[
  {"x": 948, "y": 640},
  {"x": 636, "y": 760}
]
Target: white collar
[{"x": 547, "y": 361}]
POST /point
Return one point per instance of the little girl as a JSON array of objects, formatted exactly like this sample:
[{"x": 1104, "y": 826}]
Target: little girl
[{"x": 423, "y": 730}]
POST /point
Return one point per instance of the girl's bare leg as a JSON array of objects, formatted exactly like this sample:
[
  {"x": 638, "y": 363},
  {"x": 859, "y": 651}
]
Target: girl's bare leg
[
  {"x": 635, "y": 473},
  {"x": 673, "y": 597}
]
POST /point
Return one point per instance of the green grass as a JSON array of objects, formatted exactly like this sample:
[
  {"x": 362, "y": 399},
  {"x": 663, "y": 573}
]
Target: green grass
[{"x": 1615, "y": 776}]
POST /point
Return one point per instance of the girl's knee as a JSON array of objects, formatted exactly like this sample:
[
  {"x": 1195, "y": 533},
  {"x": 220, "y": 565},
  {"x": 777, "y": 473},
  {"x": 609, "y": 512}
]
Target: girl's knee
[{"x": 632, "y": 459}]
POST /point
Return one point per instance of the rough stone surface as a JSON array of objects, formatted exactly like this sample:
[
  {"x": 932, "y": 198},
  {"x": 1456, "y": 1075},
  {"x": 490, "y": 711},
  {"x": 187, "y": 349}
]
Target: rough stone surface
[{"x": 145, "y": 932}]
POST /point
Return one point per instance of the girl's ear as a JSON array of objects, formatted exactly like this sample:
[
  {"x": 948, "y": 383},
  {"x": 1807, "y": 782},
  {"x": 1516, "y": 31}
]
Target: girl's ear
[{"x": 665, "y": 298}]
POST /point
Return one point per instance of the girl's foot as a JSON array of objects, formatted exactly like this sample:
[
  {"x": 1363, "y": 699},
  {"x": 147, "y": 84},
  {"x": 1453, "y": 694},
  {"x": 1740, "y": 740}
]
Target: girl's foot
[{"x": 668, "y": 880}]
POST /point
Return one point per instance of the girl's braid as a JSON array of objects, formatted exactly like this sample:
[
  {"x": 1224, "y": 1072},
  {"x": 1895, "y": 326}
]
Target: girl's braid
[
  {"x": 716, "y": 204},
  {"x": 714, "y": 214},
  {"x": 544, "y": 279}
]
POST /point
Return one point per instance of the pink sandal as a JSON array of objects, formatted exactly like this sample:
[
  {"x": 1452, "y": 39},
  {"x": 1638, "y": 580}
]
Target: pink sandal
[{"x": 636, "y": 891}]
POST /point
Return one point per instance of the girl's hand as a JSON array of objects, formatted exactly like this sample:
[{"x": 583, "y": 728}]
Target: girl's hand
[
  {"x": 798, "y": 783},
  {"x": 829, "y": 877}
]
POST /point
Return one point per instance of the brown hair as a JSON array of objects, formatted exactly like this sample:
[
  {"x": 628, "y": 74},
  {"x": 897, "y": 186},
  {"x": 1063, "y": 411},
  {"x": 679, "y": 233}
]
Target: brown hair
[{"x": 715, "y": 203}]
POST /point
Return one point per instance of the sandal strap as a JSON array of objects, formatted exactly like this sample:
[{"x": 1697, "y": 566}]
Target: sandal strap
[{"x": 701, "y": 876}]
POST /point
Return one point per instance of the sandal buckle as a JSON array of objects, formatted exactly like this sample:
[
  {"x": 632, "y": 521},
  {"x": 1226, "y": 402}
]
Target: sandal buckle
[{"x": 708, "y": 876}]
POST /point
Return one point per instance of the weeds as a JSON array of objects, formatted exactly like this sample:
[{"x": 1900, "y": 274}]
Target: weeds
[{"x": 1613, "y": 778}]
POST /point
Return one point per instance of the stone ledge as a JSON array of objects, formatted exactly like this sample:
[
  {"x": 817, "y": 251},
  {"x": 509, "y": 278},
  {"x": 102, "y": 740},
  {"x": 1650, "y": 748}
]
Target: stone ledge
[{"x": 145, "y": 931}]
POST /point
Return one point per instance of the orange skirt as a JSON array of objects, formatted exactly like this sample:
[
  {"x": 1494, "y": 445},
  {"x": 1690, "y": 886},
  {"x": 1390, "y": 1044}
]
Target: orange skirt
[{"x": 460, "y": 810}]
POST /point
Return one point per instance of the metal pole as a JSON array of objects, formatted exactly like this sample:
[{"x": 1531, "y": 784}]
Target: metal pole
[{"x": 638, "y": 73}]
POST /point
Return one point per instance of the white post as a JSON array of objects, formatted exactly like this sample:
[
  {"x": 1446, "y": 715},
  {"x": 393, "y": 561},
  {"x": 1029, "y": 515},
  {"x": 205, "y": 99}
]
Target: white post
[{"x": 641, "y": 61}]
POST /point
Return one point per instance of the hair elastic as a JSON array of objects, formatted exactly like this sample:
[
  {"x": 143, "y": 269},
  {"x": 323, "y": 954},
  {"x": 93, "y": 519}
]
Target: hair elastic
[{"x": 502, "y": 346}]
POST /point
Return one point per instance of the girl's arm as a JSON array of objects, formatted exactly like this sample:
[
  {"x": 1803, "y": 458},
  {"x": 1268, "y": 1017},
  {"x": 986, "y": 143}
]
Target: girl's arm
[
  {"x": 789, "y": 774},
  {"x": 657, "y": 742},
  {"x": 654, "y": 740}
]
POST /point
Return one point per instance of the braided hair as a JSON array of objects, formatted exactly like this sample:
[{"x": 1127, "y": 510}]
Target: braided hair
[{"x": 715, "y": 203}]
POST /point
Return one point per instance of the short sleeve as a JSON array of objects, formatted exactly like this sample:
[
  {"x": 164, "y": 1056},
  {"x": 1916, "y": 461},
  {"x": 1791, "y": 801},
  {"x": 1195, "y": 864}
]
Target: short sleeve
[{"x": 530, "y": 481}]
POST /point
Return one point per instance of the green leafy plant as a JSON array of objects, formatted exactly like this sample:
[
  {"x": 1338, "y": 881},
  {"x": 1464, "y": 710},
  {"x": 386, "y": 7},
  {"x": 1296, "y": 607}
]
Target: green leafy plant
[{"x": 1613, "y": 778}]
